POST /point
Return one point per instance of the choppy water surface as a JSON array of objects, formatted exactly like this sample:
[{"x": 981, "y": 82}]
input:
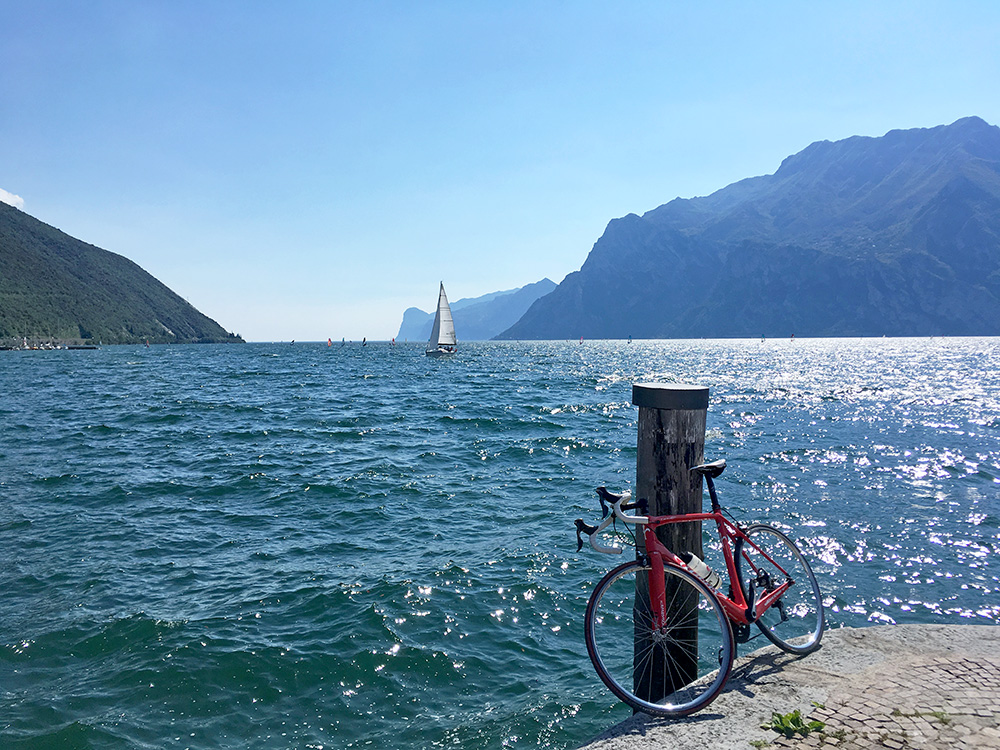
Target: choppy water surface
[{"x": 301, "y": 546}]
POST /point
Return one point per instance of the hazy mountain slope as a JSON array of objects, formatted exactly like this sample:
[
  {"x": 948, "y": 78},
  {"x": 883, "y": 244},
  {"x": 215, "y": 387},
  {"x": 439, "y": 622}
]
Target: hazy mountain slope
[
  {"x": 477, "y": 318},
  {"x": 898, "y": 235}
]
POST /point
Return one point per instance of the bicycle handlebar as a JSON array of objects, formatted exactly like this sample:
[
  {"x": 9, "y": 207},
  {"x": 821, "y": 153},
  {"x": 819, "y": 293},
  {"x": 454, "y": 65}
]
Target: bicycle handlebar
[{"x": 619, "y": 504}]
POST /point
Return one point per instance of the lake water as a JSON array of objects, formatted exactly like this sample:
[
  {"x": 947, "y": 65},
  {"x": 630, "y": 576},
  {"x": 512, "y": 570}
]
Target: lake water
[{"x": 302, "y": 546}]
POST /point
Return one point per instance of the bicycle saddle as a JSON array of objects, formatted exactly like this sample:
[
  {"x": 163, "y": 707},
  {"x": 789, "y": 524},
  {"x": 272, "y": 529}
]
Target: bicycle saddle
[{"x": 712, "y": 469}]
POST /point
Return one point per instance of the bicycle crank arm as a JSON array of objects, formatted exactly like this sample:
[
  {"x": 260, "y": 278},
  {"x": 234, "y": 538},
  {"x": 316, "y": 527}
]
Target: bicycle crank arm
[{"x": 751, "y": 598}]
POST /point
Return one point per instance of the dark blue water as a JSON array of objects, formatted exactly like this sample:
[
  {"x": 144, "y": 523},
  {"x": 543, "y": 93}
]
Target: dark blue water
[{"x": 273, "y": 546}]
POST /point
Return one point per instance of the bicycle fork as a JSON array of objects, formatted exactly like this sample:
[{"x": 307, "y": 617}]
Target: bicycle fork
[{"x": 657, "y": 591}]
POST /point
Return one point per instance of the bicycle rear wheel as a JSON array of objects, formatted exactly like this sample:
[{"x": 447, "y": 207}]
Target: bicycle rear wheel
[
  {"x": 795, "y": 622},
  {"x": 673, "y": 671}
]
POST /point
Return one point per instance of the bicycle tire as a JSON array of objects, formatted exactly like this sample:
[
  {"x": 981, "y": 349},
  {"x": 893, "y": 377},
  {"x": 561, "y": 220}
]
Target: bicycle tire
[
  {"x": 796, "y": 626},
  {"x": 625, "y": 650}
]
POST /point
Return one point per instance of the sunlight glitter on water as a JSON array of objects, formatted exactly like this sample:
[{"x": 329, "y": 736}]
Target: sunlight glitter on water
[{"x": 338, "y": 546}]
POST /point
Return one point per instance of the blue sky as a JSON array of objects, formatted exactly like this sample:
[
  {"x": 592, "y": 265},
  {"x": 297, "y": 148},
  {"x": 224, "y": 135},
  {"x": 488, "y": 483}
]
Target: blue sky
[{"x": 304, "y": 170}]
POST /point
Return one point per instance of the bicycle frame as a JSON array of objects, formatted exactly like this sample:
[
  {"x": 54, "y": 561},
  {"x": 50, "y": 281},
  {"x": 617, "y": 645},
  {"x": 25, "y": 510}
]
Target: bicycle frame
[{"x": 737, "y": 608}]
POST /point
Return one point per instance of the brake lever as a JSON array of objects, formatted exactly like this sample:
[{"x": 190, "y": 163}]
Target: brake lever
[
  {"x": 581, "y": 526},
  {"x": 604, "y": 506}
]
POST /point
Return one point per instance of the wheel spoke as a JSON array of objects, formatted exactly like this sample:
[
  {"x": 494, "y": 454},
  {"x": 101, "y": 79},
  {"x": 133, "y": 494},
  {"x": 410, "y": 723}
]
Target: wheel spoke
[{"x": 672, "y": 671}]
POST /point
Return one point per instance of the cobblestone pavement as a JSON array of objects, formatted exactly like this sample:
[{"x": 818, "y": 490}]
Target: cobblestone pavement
[
  {"x": 892, "y": 686},
  {"x": 941, "y": 703}
]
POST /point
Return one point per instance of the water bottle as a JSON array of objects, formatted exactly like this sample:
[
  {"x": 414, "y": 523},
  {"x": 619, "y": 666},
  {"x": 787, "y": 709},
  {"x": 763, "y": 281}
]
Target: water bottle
[{"x": 700, "y": 569}]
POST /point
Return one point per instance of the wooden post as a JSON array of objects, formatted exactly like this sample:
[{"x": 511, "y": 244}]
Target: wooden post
[{"x": 671, "y": 440}]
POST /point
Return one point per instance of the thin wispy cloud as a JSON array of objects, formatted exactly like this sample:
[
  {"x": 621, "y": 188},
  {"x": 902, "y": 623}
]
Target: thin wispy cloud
[{"x": 12, "y": 200}]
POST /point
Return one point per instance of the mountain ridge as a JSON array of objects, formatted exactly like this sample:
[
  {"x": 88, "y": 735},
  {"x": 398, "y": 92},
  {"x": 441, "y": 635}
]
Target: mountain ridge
[{"x": 896, "y": 235}]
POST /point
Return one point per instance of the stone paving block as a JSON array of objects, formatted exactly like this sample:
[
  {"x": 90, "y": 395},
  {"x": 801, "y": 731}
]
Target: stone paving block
[{"x": 981, "y": 740}]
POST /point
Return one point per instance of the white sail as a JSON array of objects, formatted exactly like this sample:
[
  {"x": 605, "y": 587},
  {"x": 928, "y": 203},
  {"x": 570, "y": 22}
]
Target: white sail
[{"x": 442, "y": 340}]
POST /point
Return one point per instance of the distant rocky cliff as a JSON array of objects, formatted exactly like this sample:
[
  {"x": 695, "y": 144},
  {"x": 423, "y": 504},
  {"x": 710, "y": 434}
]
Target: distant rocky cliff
[
  {"x": 477, "y": 318},
  {"x": 55, "y": 287},
  {"x": 898, "y": 235}
]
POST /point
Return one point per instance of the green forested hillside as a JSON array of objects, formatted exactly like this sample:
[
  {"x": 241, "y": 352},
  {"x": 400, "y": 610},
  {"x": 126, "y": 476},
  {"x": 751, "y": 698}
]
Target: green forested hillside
[{"x": 55, "y": 287}]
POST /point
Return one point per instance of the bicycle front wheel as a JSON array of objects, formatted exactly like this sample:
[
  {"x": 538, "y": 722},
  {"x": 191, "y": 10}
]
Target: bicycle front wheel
[
  {"x": 795, "y": 622},
  {"x": 673, "y": 670}
]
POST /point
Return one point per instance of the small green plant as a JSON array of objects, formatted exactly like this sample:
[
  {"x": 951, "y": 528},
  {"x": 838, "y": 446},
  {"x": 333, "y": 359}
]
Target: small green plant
[
  {"x": 759, "y": 744},
  {"x": 791, "y": 724}
]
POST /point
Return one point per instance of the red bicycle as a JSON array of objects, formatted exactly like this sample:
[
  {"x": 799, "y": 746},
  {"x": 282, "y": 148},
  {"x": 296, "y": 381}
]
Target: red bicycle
[{"x": 660, "y": 632}]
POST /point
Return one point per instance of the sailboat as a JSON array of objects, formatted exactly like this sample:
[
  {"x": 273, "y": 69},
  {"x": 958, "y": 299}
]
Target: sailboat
[{"x": 442, "y": 340}]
